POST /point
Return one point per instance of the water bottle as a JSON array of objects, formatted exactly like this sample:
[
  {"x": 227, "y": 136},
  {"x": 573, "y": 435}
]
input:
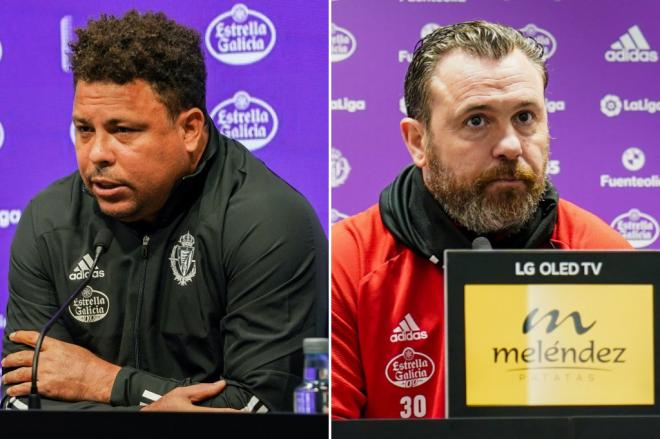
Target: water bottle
[{"x": 312, "y": 395}]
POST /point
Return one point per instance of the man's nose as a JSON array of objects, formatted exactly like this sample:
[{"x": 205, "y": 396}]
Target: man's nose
[
  {"x": 100, "y": 152},
  {"x": 509, "y": 146}
]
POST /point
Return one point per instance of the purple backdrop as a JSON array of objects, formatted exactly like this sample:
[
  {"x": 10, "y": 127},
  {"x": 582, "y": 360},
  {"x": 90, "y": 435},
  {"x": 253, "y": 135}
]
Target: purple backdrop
[
  {"x": 603, "y": 98},
  {"x": 277, "y": 75}
]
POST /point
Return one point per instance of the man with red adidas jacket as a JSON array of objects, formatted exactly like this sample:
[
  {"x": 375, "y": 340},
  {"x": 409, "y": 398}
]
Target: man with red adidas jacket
[{"x": 477, "y": 132}]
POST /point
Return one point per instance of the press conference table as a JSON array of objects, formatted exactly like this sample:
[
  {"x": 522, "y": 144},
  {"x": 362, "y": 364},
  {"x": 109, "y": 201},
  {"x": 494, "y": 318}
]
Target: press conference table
[
  {"x": 124, "y": 425},
  {"x": 597, "y": 427}
]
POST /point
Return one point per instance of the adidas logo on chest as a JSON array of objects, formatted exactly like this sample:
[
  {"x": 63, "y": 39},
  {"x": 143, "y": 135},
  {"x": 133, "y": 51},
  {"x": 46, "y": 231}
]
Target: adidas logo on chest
[
  {"x": 82, "y": 270},
  {"x": 407, "y": 330}
]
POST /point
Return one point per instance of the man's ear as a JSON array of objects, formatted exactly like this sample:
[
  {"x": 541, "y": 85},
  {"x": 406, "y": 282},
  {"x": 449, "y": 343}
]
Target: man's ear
[
  {"x": 413, "y": 132},
  {"x": 191, "y": 126}
]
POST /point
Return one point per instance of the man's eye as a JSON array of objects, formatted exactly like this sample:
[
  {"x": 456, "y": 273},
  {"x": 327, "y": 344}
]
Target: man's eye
[
  {"x": 476, "y": 121},
  {"x": 83, "y": 129},
  {"x": 124, "y": 130},
  {"x": 525, "y": 117}
]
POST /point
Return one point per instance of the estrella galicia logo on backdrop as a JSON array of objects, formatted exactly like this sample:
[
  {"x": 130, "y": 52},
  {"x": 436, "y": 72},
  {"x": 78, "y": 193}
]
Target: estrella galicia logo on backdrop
[
  {"x": 2, "y": 135},
  {"x": 631, "y": 47},
  {"x": 246, "y": 119},
  {"x": 66, "y": 37},
  {"x": 9, "y": 217},
  {"x": 336, "y": 216},
  {"x": 91, "y": 307},
  {"x": 240, "y": 36},
  {"x": 339, "y": 168},
  {"x": 612, "y": 105},
  {"x": 427, "y": 29},
  {"x": 343, "y": 43},
  {"x": 639, "y": 228},
  {"x": 543, "y": 37},
  {"x": 633, "y": 159}
]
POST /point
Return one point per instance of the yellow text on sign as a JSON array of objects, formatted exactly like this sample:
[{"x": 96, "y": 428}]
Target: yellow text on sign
[{"x": 536, "y": 345}]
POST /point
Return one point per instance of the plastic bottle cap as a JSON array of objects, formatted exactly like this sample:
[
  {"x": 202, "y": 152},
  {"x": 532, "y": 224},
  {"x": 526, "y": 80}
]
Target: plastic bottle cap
[{"x": 315, "y": 345}]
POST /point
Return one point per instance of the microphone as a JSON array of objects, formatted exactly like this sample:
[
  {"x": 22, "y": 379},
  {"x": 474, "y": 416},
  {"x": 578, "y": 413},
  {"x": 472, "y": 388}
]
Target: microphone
[
  {"x": 481, "y": 243},
  {"x": 101, "y": 244}
]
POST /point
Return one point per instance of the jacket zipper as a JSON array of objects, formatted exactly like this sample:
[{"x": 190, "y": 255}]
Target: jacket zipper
[{"x": 145, "y": 255}]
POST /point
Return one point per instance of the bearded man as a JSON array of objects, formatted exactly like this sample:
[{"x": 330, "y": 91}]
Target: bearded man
[{"x": 477, "y": 132}]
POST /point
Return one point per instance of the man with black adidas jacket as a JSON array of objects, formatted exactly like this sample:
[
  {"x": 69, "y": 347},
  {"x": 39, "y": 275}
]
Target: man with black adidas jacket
[{"x": 217, "y": 268}]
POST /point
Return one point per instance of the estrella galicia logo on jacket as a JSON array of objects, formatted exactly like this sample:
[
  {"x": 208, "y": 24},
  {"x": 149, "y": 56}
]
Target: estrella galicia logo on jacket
[
  {"x": 82, "y": 269},
  {"x": 247, "y": 119},
  {"x": 240, "y": 36},
  {"x": 182, "y": 260},
  {"x": 409, "y": 369},
  {"x": 91, "y": 307}
]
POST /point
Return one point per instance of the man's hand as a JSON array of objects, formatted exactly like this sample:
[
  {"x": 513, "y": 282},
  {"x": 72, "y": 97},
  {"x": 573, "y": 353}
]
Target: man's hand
[
  {"x": 66, "y": 371},
  {"x": 182, "y": 399}
]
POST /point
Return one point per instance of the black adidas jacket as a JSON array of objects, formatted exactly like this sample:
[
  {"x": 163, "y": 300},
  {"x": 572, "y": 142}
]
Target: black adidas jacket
[{"x": 227, "y": 283}]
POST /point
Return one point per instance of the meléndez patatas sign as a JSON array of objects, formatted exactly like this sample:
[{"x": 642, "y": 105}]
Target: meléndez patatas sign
[{"x": 548, "y": 332}]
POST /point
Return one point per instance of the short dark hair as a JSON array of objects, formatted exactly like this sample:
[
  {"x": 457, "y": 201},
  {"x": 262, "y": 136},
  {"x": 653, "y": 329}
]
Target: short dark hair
[
  {"x": 150, "y": 47},
  {"x": 479, "y": 38}
]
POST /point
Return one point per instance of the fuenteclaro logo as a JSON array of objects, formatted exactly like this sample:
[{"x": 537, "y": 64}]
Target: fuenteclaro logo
[
  {"x": 240, "y": 36},
  {"x": 561, "y": 344}
]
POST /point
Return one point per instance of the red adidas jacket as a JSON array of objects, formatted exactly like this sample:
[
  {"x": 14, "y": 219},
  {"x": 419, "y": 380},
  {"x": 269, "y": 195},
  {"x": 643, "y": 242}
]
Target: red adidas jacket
[{"x": 385, "y": 300}]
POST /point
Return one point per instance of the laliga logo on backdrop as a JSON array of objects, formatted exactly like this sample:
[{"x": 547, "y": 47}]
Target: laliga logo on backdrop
[
  {"x": 0, "y": 50},
  {"x": 611, "y": 105},
  {"x": 240, "y": 36},
  {"x": 631, "y": 47},
  {"x": 347, "y": 104},
  {"x": 339, "y": 168},
  {"x": 343, "y": 43},
  {"x": 3, "y": 321},
  {"x": 543, "y": 37},
  {"x": 247, "y": 119},
  {"x": 640, "y": 229},
  {"x": 633, "y": 159},
  {"x": 2, "y": 135}
]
